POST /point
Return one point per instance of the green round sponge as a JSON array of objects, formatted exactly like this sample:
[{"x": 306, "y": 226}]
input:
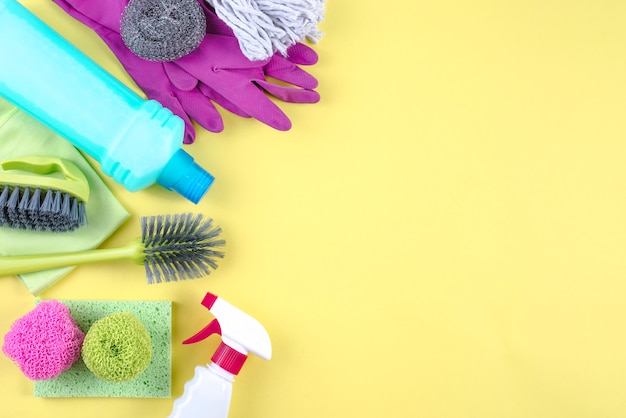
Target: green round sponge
[{"x": 117, "y": 347}]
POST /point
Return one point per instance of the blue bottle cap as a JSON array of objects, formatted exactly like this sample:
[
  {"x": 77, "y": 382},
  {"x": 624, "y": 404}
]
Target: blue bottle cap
[{"x": 181, "y": 174}]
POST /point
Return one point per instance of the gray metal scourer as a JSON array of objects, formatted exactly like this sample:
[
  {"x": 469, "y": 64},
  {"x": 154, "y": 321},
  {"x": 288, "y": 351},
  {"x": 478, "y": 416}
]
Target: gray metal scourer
[{"x": 163, "y": 30}]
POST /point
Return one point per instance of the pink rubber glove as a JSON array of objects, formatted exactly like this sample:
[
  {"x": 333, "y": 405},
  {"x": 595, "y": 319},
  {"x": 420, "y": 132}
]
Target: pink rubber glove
[{"x": 216, "y": 71}]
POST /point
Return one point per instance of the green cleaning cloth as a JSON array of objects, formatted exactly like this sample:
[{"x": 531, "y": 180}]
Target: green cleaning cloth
[
  {"x": 154, "y": 382},
  {"x": 22, "y": 135}
]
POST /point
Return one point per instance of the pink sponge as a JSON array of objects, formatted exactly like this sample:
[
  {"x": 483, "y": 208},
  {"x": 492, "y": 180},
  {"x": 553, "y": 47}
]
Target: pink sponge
[{"x": 44, "y": 342}]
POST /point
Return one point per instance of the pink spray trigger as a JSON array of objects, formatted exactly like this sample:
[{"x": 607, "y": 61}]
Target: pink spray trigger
[
  {"x": 206, "y": 332},
  {"x": 240, "y": 334},
  {"x": 225, "y": 356},
  {"x": 212, "y": 328}
]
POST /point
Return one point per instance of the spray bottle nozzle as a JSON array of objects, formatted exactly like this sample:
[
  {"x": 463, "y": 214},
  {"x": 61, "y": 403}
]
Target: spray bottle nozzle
[{"x": 240, "y": 334}]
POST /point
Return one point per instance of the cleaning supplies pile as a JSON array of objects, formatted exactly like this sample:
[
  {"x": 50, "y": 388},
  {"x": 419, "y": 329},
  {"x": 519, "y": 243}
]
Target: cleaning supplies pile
[
  {"x": 215, "y": 73},
  {"x": 137, "y": 142},
  {"x": 108, "y": 121},
  {"x": 188, "y": 78},
  {"x": 188, "y": 56}
]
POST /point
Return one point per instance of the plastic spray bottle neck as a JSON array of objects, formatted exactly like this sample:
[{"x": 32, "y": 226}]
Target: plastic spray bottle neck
[
  {"x": 181, "y": 174},
  {"x": 229, "y": 359}
]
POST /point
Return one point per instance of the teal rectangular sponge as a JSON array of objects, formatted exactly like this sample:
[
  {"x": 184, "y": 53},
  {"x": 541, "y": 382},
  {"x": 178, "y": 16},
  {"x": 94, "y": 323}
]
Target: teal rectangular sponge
[{"x": 154, "y": 382}]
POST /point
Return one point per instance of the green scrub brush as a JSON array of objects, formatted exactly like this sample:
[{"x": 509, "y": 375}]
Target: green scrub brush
[
  {"x": 171, "y": 248},
  {"x": 42, "y": 193}
]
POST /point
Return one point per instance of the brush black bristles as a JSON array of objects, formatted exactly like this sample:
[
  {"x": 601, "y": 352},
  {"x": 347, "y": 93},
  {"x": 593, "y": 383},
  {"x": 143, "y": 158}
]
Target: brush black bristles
[
  {"x": 179, "y": 247},
  {"x": 41, "y": 210}
]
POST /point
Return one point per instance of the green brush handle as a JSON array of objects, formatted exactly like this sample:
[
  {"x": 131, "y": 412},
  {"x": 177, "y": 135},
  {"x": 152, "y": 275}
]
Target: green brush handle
[
  {"x": 39, "y": 171},
  {"x": 11, "y": 265}
]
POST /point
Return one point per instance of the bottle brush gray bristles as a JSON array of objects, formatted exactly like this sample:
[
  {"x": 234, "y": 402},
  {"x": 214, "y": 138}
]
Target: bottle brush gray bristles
[
  {"x": 171, "y": 248},
  {"x": 179, "y": 247},
  {"x": 51, "y": 210}
]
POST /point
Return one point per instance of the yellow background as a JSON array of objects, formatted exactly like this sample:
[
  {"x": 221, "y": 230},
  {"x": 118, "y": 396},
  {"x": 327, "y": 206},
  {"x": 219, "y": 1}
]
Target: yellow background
[{"x": 443, "y": 235}]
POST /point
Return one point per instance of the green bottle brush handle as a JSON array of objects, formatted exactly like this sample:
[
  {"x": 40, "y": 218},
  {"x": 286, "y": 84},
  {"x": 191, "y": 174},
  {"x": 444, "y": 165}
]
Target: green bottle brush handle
[{"x": 12, "y": 265}]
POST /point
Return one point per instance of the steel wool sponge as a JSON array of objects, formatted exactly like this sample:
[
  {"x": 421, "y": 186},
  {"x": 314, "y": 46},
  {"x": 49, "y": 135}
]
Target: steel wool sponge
[{"x": 163, "y": 30}]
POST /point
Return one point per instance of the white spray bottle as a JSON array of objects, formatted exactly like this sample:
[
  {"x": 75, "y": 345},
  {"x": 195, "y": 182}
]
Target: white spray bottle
[{"x": 208, "y": 393}]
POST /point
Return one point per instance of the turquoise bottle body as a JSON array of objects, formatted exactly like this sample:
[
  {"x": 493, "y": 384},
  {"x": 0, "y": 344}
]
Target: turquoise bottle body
[{"x": 138, "y": 142}]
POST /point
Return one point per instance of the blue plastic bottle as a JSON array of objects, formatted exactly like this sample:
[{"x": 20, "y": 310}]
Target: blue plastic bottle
[{"x": 138, "y": 142}]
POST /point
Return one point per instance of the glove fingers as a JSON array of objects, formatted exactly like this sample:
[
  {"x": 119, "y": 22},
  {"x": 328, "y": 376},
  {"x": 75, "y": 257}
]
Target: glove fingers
[
  {"x": 284, "y": 70},
  {"x": 220, "y": 100},
  {"x": 289, "y": 94},
  {"x": 253, "y": 101},
  {"x": 301, "y": 54},
  {"x": 200, "y": 109},
  {"x": 180, "y": 78},
  {"x": 231, "y": 78},
  {"x": 184, "y": 81}
]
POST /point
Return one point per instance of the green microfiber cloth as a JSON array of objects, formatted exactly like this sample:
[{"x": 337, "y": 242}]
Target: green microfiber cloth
[
  {"x": 22, "y": 135},
  {"x": 154, "y": 382}
]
